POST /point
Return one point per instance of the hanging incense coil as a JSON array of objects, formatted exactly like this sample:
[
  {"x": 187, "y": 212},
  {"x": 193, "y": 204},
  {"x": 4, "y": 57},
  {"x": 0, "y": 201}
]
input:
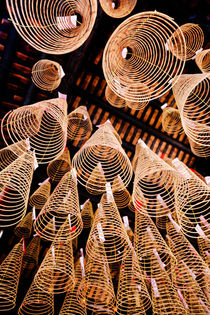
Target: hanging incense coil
[
  {"x": 192, "y": 97},
  {"x": 10, "y": 271},
  {"x": 44, "y": 123},
  {"x": 204, "y": 249},
  {"x": 136, "y": 56},
  {"x": 114, "y": 99},
  {"x": 31, "y": 255},
  {"x": 136, "y": 155},
  {"x": 122, "y": 196},
  {"x": 15, "y": 182},
  {"x": 171, "y": 121},
  {"x": 79, "y": 124},
  {"x": 131, "y": 206},
  {"x": 87, "y": 214},
  {"x": 40, "y": 196},
  {"x": 46, "y": 74},
  {"x": 108, "y": 232},
  {"x": 118, "y": 8},
  {"x": 24, "y": 228},
  {"x": 55, "y": 28},
  {"x": 11, "y": 153},
  {"x": 202, "y": 60},
  {"x": 104, "y": 149},
  {"x": 194, "y": 39},
  {"x": 58, "y": 167},
  {"x": 61, "y": 212},
  {"x": 95, "y": 180}
]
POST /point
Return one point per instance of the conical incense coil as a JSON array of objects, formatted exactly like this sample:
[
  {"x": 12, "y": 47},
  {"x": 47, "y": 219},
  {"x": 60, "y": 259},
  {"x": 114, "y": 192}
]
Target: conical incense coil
[
  {"x": 87, "y": 214},
  {"x": 150, "y": 245},
  {"x": 44, "y": 124},
  {"x": 131, "y": 206},
  {"x": 128, "y": 229},
  {"x": 56, "y": 273},
  {"x": 118, "y": 9},
  {"x": 122, "y": 196},
  {"x": 204, "y": 249},
  {"x": 104, "y": 149},
  {"x": 136, "y": 155},
  {"x": 31, "y": 255},
  {"x": 79, "y": 124},
  {"x": 9, "y": 277},
  {"x": 108, "y": 232},
  {"x": 192, "y": 97},
  {"x": 15, "y": 182},
  {"x": 11, "y": 153},
  {"x": 40, "y": 196},
  {"x": 113, "y": 99},
  {"x": 171, "y": 120},
  {"x": 46, "y": 74},
  {"x": 136, "y": 53},
  {"x": 37, "y": 302},
  {"x": 96, "y": 181},
  {"x": 132, "y": 292},
  {"x": 194, "y": 39},
  {"x": 58, "y": 167},
  {"x": 53, "y": 28},
  {"x": 153, "y": 192},
  {"x": 202, "y": 60},
  {"x": 24, "y": 228},
  {"x": 61, "y": 212}
]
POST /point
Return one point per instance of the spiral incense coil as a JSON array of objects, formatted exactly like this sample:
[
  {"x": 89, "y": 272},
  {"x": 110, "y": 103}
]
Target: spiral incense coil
[
  {"x": 61, "y": 212},
  {"x": 56, "y": 273},
  {"x": 37, "y": 302},
  {"x": 192, "y": 97},
  {"x": 204, "y": 249},
  {"x": 79, "y": 124},
  {"x": 118, "y": 8},
  {"x": 24, "y": 228},
  {"x": 132, "y": 292},
  {"x": 87, "y": 214},
  {"x": 171, "y": 120},
  {"x": 150, "y": 245},
  {"x": 46, "y": 74},
  {"x": 10, "y": 271},
  {"x": 194, "y": 39},
  {"x": 113, "y": 99},
  {"x": 122, "y": 196},
  {"x": 43, "y": 124},
  {"x": 53, "y": 28},
  {"x": 108, "y": 232},
  {"x": 31, "y": 255},
  {"x": 104, "y": 149},
  {"x": 15, "y": 182},
  {"x": 58, "y": 167},
  {"x": 95, "y": 180},
  {"x": 11, "y": 153},
  {"x": 136, "y": 56},
  {"x": 136, "y": 155},
  {"x": 202, "y": 60},
  {"x": 40, "y": 196},
  {"x": 131, "y": 206}
]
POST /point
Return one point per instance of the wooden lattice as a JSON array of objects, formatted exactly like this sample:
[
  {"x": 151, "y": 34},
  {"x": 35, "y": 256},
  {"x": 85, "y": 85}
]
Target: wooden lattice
[
  {"x": 11, "y": 153},
  {"x": 79, "y": 124},
  {"x": 122, "y": 196},
  {"x": 40, "y": 196},
  {"x": 118, "y": 9},
  {"x": 203, "y": 60},
  {"x": 171, "y": 120},
  {"x": 58, "y": 167},
  {"x": 24, "y": 228},
  {"x": 87, "y": 214}
]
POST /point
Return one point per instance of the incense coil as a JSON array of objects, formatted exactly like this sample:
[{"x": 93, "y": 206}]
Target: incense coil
[
  {"x": 108, "y": 233},
  {"x": 61, "y": 212},
  {"x": 202, "y": 60},
  {"x": 58, "y": 167},
  {"x": 87, "y": 214},
  {"x": 79, "y": 124},
  {"x": 24, "y": 228},
  {"x": 194, "y": 39},
  {"x": 117, "y": 9},
  {"x": 136, "y": 54},
  {"x": 171, "y": 121},
  {"x": 15, "y": 182},
  {"x": 11, "y": 153},
  {"x": 44, "y": 124},
  {"x": 56, "y": 273},
  {"x": 131, "y": 206},
  {"x": 114, "y": 99},
  {"x": 122, "y": 196},
  {"x": 53, "y": 28},
  {"x": 31, "y": 255},
  {"x": 46, "y": 74},
  {"x": 95, "y": 180},
  {"x": 204, "y": 249},
  {"x": 10, "y": 271},
  {"x": 192, "y": 97},
  {"x": 40, "y": 196},
  {"x": 104, "y": 149}
]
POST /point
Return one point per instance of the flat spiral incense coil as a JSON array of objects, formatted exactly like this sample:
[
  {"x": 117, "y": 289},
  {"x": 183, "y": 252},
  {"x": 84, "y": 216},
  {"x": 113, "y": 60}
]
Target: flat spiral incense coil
[
  {"x": 24, "y": 228},
  {"x": 54, "y": 27},
  {"x": 171, "y": 121},
  {"x": 15, "y": 182},
  {"x": 44, "y": 123},
  {"x": 58, "y": 167},
  {"x": 122, "y": 196},
  {"x": 192, "y": 97},
  {"x": 104, "y": 149},
  {"x": 79, "y": 124},
  {"x": 46, "y": 74},
  {"x": 108, "y": 232},
  {"x": 61, "y": 212},
  {"x": 40, "y": 196},
  {"x": 194, "y": 39},
  {"x": 202, "y": 60},
  {"x": 136, "y": 56},
  {"x": 11, "y": 153},
  {"x": 56, "y": 273},
  {"x": 87, "y": 214},
  {"x": 31, "y": 255},
  {"x": 10, "y": 271},
  {"x": 118, "y": 8}
]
